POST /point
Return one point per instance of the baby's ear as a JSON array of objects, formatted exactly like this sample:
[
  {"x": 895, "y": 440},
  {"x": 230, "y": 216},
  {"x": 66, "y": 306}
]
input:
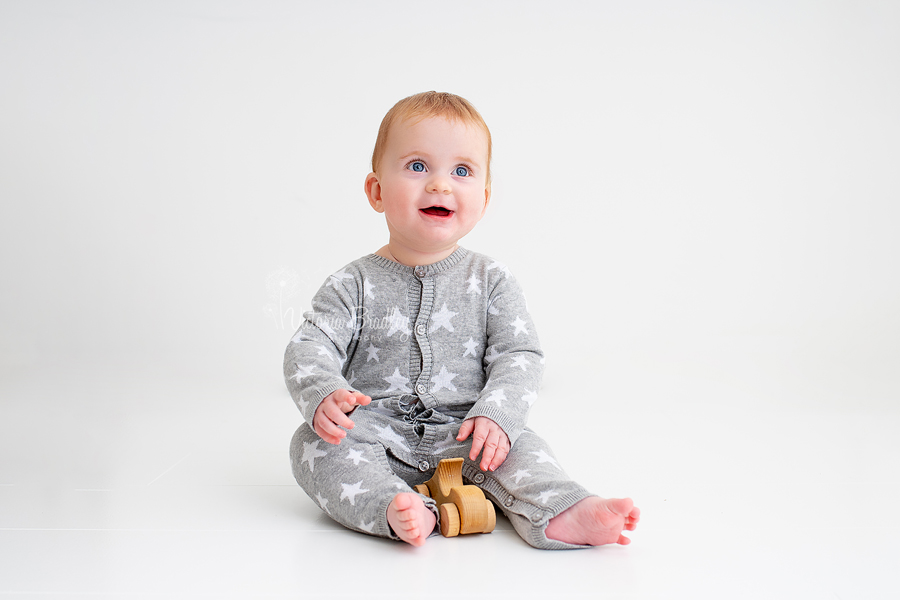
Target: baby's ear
[
  {"x": 373, "y": 192},
  {"x": 487, "y": 198}
]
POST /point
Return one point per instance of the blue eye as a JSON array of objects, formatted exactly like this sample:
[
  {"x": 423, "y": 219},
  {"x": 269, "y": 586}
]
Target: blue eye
[
  {"x": 461, "y": 171},
  {"x": 418, "y": 166}
]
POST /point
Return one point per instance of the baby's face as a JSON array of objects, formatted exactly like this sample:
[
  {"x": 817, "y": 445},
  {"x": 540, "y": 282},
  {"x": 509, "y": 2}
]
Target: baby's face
[{"x": 431, "y": 183}]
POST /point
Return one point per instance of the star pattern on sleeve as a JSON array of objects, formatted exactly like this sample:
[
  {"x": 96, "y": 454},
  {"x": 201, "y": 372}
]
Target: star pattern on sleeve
[
  {"x": 519, "y": 324},
  {"x": 442, "y": 319},
  {"x": 323, "y": 351},
  {"x": 368, "y": 289},
  {"x": 336, "y": 279},
  {"x": 398, "y": 382},
  {"x": 310, "y": 453},
  {"x": 470, "y": 347},
  {"x": 474, "y": 285},
  {"x": 520, "y": 361},
  {"x": 372, "y": 353},
  {"x": 350, "y": 492},
  {"x": 497, "y": 396},
  {"x": 444, "y": 379},
  {"x": 302, "y": 371},
  {"x": 323, "y": 503},
  {"x": 529, "y": 397},
  {"x": 499, "y": 265}
]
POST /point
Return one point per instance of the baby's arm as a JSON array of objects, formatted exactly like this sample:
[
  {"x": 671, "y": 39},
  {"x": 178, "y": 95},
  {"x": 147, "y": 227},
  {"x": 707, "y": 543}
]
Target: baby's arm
[
  {"x": 332, "y": 413},
  {"x": 486, "y": 436}
]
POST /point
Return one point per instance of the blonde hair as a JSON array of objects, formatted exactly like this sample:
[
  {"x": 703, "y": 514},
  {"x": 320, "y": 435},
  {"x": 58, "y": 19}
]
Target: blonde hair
[{"x": 426, "y": 105}]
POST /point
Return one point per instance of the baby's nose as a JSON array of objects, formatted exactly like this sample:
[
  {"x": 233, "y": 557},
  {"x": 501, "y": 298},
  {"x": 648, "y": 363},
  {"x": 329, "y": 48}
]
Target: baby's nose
[{"x": 438, "y": 185}]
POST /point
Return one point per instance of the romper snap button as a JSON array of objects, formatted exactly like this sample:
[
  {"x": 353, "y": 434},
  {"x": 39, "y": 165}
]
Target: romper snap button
[
  {"x": 420, "y": 271},
  {"x": 420, "y": 329},
  {"x": 479, "y": 478},
  {"x": 423, "y": 465},
  {"x": 420, "y": 388},
  {"x": 508, "y": 502}
]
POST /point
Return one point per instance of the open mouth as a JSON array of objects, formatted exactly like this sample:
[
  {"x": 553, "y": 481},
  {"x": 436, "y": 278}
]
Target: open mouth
[{"x": 437, "y": 211}]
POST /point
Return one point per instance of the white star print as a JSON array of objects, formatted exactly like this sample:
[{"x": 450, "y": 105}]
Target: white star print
[
  {"x": 372, "y": 353},
  {"x": 351, "y": 491},
  {"x": 387, "y": 433},
  {"x": 367, "y": 289},
  {"x": 398, "y": 382},
  {"x": 325, "y": 327},
  {"x": 352, "y": 378},
  {"x": 470, "y": 347},
  {"x": 370, "y": 527},
  {"x": 335, "y": 280},
  {"x": 501, "y": 266},
  {"x": 544, "y": 457},
  {"x": 356, "y": 456},
  {"x": 492, "y": 355},
  {"x": 496, "y": 396},
  {"x": 449, "y": 442},
  {"x": 520, "y": 361},
  {"x": 443, "y": 380},
  {"x": 302, "y": 371},
  {"x": 442, "y": 319},
  {"x": 545, "y": 496},
  {"x": 297, "y": 337},
  {"x": 397, "y": 322},
  {"x": 529, "y": 397},
  {"x": 399, "y": 486},
  {"x": 310, "y": 453},
  {"x": 302, "y": 404},
  {"x": 323, "y": 351},
  {"x": 519, "y": 324},
  {"x": 474, "y": 285},
  {"x": 323, "y": 503},
  {"x": 520, "y": 474}
]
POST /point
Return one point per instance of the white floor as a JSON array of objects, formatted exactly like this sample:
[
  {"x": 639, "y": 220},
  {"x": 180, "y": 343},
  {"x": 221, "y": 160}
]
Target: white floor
[{"x": 181, "y": 488}]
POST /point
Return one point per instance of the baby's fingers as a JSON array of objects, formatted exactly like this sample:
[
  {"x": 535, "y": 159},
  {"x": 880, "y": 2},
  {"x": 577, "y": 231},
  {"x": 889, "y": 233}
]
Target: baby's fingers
[{"x": 465, "y": 430}]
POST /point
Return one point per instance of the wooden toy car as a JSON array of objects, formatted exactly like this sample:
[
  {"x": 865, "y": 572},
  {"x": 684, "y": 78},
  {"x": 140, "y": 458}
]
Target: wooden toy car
[{"x": 463, "y": 508}]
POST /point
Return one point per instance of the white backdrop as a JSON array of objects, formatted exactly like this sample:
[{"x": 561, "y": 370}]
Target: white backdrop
[{"x": 714, "y": 184}]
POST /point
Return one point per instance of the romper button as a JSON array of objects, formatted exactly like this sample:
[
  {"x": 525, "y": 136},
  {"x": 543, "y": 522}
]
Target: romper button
[
  {"x": 420, "y": 271},
  {"x": 420, "y": 329},
  {"x": 509, "y": 502},
  {"x": 420, "y": 389},
  {"x": 423, "y": 465},
  {"x": 479, "y": 478}
]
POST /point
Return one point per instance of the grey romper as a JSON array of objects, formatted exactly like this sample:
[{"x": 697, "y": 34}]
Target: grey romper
[{"x": 432, "y": 345}]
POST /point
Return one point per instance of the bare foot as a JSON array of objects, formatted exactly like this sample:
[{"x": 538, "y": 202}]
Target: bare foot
[
  {"x": 410, "y": 518},
  {"x": 595, "y": 521}
]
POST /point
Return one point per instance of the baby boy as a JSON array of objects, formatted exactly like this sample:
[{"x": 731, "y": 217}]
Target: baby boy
[{"x": 430, "y": 349}]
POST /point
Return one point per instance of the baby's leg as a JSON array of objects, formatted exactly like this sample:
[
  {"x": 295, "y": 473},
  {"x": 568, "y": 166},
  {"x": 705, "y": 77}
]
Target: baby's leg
[
  {"x": 354, "y": 484},
  {"x": 545, "y": 506}
]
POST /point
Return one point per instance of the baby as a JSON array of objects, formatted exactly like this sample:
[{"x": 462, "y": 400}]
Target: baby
[{"x": 430, "y": 348}]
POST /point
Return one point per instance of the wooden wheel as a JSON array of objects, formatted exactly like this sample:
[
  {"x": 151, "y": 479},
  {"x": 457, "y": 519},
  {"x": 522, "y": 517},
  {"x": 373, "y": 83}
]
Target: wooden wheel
[
  {"x": 423, "y": 489},
  {"x": 491, "y": 521},
  {"x": 449, "y": 520}
]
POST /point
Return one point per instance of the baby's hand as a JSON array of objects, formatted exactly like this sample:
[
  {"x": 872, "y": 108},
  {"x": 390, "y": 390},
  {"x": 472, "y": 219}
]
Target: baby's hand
[
  {"x": 488, "y": 436},
  {"x": 331, "y": 414}
]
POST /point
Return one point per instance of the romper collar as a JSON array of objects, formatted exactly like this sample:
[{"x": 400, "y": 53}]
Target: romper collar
[{"x": 420, "y": 270}]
